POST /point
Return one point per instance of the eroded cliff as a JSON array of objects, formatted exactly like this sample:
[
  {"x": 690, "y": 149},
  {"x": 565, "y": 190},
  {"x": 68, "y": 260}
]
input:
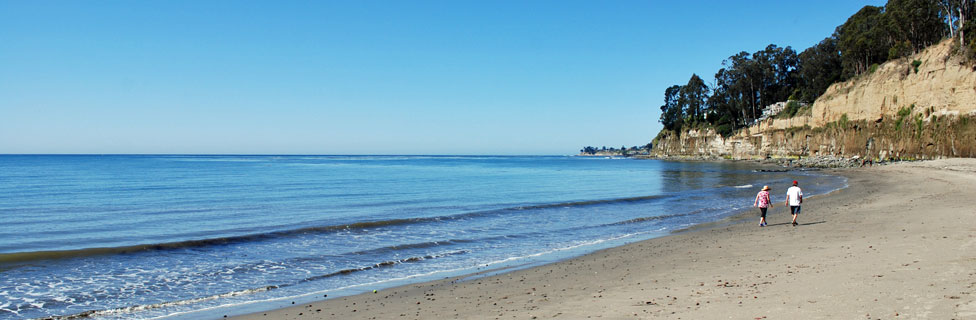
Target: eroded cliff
[{"x": 894, "y": 112}]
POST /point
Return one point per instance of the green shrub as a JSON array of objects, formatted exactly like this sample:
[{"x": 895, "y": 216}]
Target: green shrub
[
  {"x": 918, "y": 126},
  {"x": 790, "y": 110},
  {"x": 915, "y": 65},
  {"x": 806, "y": 110},
  {"x": 724, "y": 129},
  {"x": 873, "y": 68},
  {"x": 902, "y": 113},
  {"x": 663, "y": 134},
  {"x": 842, "y": 122}
]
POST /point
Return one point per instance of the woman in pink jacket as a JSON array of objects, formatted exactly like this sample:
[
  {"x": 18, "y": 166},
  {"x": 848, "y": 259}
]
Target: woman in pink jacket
[{"x": 763, "y": 202}]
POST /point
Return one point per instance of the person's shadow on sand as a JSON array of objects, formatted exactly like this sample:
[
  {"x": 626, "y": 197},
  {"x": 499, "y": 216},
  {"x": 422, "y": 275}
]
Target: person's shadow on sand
[{"x": 798, "y": 224}]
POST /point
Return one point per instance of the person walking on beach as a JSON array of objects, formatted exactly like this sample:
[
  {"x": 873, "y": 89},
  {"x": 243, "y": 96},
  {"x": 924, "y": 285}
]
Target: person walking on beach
[
  {"x": 794, "y": 197},
  {"x": 762, "y": 201}
]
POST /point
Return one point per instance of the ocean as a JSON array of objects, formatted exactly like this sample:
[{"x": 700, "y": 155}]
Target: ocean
[{"x": 199, "y": 236}]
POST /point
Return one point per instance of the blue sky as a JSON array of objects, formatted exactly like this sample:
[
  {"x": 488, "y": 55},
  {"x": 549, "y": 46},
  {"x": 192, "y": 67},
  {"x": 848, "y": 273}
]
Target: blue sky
[{"x": 367, "y": 77}]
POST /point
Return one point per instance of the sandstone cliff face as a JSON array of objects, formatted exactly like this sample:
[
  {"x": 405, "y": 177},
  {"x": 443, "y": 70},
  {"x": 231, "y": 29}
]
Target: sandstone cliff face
[
  {"x": 942, "y": 122},
  {"x": 941, "y": 83},
  {"x": 944, "y": 136}
]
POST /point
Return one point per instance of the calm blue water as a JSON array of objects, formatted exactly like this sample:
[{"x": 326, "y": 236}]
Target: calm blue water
[{"x": 202, "y": 236}]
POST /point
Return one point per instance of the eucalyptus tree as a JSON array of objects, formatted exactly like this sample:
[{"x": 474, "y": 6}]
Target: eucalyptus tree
[
  {"x": 818, "y": 67},
  {"x": 915, "y": 22},
  {"x": 778, "y": 70},
  {"x": 672, "y": 114},
  {"x": 957, "y": 14},
  {"x": 862, "y": 41},
  {"x": 693, "y": 99}
]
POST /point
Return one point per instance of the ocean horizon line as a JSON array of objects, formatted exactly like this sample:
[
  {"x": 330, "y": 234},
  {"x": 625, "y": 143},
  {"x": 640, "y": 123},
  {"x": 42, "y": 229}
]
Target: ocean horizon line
[{"x": 291, "y": 154}]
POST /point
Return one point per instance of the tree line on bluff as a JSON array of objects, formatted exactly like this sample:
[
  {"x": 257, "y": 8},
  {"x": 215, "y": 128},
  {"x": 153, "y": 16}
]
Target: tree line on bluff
[{"x": 747, "y": 83}]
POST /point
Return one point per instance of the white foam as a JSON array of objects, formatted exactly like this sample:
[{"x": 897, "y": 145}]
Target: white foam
[
  {"x": 11, "y": 311},
  {"x": 181, "y": 302},
  {"x": 743, "y": 186},
  {"x": 408, "y": 278},
  {"x": 310, "y": 294}
]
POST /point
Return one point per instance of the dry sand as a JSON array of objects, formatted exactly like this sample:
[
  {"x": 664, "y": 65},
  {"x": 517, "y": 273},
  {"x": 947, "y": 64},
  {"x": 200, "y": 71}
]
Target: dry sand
[{"x": 899, "y": 243}]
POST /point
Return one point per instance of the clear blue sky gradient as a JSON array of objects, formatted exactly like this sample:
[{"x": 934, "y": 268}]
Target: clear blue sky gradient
[{"x": 367, "y": 77}]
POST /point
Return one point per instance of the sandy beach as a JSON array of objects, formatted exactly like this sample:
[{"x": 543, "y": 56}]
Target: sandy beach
[{"x": 899, "y": 242}]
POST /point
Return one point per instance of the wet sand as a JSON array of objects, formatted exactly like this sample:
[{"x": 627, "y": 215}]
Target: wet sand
[{"x": 900, "y": 242}]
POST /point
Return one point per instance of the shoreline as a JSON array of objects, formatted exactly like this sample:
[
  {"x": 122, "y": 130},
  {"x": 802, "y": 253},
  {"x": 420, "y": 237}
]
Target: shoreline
[
  {"x": 791, "y": 163},
  {"x": 898, "y": 242}
]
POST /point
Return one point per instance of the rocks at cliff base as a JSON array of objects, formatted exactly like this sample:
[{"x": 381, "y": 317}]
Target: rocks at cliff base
[{"x": 830, "y": 162}]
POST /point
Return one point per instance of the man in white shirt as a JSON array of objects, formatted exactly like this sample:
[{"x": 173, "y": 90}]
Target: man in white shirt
[{"x": 794, "y": 197}]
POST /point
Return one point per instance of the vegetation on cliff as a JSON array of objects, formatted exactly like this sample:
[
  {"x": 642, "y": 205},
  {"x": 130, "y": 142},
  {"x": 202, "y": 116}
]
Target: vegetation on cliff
[{"x": 747, "y": 82}]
